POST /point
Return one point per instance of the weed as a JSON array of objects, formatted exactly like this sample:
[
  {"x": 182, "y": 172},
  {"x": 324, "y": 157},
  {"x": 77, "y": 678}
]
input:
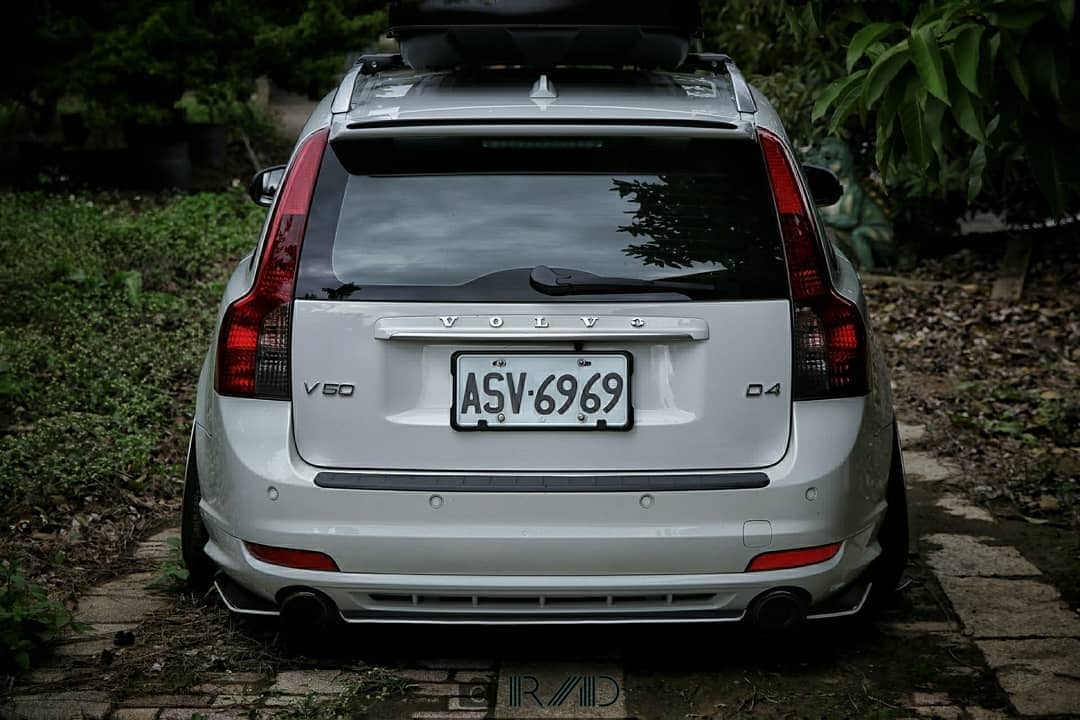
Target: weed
[
  {"x": 29, "y": 619},
  {"x": 171, "y": 574}
]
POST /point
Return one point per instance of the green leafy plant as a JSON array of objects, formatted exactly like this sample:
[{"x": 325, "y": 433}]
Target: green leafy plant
[
  {"x": 171, "y": 572},
  {"x": 989, "y": 83},
  {"x": 29, "y": 619}
]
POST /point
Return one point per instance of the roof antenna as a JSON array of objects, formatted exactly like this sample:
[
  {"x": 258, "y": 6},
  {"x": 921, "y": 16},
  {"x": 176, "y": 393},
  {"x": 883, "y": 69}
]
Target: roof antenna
[{"x": 543, "y": 92}]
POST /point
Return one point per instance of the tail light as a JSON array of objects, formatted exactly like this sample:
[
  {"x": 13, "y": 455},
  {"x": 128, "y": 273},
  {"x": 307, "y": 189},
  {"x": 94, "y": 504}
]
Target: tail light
[
  {"x": 829, "y": 336},
  {"x": 253, "y": 344}
]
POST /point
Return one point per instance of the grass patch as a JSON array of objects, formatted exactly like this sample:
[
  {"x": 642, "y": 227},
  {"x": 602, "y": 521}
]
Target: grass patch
[{"x": 109, "y": 305}]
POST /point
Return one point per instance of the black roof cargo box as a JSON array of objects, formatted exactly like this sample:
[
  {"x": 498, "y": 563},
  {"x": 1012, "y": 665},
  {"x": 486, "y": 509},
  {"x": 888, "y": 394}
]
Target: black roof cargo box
[{"x": 544, "y": 33}]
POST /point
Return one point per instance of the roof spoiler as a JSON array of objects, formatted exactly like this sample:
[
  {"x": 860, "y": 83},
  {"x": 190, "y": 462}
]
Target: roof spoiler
[{"x": 372, "y": 64}]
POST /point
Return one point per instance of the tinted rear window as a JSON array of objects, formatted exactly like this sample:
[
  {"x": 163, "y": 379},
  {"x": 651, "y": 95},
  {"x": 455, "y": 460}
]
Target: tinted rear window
[{"x": 467, "y": 219}]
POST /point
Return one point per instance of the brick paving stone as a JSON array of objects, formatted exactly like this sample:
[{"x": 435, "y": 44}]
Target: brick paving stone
[
  {"x": 135, "y": 714},
  {"x": 472, "y": 676},
  {"x": 940, "y": 712},
  {"x": 91, "y": 642},
  {"x": 459, "y": 664},
  {"x": 57, "y": 706},
  {"x": 423, "y": 675},
  {"x": 167, "y": 701},
  {"x": 186, "y": 713},
  {"x": 241, "y": 701},
  {"x": 980, "y": 713},
  {"x": 469, "y": 703},
  {"x": 925, "y": 467},
  {"x": 994, "y": 608},
  {"x": 967, "y": 556},
  {"x": 95, "y": 609},
  {"x": 133, "y": 585},
  {"x": 920, "y": 698},
  {"x": 958, "y": 506},
  {"x": 303, "y": 682},
  {"x": 1040, "y": 675},
  {"x": 923, "y": 627},
  {"x": 438, "y": 689}
]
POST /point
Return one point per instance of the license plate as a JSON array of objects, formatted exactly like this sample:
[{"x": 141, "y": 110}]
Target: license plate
[{"x": 541, "y": 391}]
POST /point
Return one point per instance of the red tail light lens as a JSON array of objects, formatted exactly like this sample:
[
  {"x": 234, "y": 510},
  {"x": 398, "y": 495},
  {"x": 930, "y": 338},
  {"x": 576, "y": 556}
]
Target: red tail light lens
[
  {"x": 253, "y": 345},
  {"x": 829, "y": 337},
  {"x": 287, "y": 557},
  {"x": 785, "y": 559}
]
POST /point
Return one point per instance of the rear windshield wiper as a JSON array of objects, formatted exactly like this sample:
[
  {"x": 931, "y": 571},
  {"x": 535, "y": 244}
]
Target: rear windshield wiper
[{"x": 560, "y": 281}]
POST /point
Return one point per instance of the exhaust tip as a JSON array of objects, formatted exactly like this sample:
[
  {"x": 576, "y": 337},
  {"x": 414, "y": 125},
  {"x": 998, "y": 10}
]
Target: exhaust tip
[
  {"x": 778, "y": 609},
  {"x": 306, "y": 611}
]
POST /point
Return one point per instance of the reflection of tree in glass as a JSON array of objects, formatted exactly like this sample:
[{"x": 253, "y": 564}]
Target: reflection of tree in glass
[{"x": 694, "y": 220}]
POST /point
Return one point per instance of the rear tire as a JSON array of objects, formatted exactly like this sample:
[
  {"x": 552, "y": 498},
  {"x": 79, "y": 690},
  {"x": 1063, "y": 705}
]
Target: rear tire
[
  {"x": 193, "y": 534},
  {"x": 888, "y": 568}
]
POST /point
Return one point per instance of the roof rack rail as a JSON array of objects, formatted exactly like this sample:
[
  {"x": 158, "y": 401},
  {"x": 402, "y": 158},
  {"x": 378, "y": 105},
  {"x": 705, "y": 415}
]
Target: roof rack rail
[
  {"x": 368, "y": 64},
  {"x": 717, "y": 62}
]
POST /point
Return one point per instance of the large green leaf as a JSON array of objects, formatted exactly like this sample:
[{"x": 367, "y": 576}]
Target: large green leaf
[
  {"x": 933, "y": 115},
  {"x": 1047, "y": 166},
  {"x": 883, "y": 71},
  {"x": 846, "y": 104},
  {"x": 1018, "y": 16},
  {"x": 913, "y": 125},
  {"x": 885, "y": 146},
  {"x": 865, "y": 37},
  {"x": 833, "y": 91},
  {"x": 1016, "y": 71},
  {"x": 965, "y": 54},
  {"x": 976, "y": 168},
  {"x": 1065, "y": 11},
  {"x": 926, "y": 55},
  {"x": 1045, "y": 67},
  {"x": 968, "y": 114},
  {"x": 891, "y": 100}
]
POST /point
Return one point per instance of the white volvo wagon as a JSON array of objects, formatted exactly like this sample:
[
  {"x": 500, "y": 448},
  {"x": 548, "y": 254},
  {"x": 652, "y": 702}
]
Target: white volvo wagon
[{"x": 543, "y": 344}]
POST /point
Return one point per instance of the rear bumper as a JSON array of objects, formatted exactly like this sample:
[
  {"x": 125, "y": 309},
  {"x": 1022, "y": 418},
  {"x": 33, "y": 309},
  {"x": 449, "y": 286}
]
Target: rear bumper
[
  {"x": 481, "y": 556},
  {"x": 458, "y": 599}
]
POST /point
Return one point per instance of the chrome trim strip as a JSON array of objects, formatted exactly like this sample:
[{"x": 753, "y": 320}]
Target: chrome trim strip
[
  {"x": 845, "y": 613},
  {"x": 240, "y": 610},
  {"x": 600, "y": 620},
  {"x": 541, "y": 328},
  {"x": 494, "y": 336}
]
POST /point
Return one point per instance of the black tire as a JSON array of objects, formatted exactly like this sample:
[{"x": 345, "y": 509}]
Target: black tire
[
  {"x": 888, "y": 568},
  {"x": 193, "y": 535}
]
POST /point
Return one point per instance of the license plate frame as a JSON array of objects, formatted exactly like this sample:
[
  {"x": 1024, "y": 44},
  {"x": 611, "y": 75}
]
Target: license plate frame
[{"x": 601, "y": 425}]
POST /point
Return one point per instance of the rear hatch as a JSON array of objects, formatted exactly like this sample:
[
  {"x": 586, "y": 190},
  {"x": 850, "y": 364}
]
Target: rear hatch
[{"x": 542, "y": 304}]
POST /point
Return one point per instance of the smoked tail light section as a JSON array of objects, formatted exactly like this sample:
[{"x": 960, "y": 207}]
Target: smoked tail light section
[
  {"x": 829, "y": 335},
  {"x": 253, "y": 343}
]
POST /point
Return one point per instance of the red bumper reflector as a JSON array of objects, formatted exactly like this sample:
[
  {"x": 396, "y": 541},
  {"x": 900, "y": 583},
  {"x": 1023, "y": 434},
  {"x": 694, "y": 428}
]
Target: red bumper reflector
[
  {"x": 785, "y": 559},
  {"x": 298, "y": 559}
]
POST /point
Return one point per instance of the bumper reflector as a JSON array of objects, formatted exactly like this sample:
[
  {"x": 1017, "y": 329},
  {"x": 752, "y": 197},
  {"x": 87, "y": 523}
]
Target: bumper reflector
[
  {"x": 784, "y": 559},
  {"x": 298, "y": 559}
]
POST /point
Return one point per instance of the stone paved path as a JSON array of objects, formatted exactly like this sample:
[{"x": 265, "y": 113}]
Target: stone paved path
[
  {"x": 1027, "y": 634},
  {"x": 1001, "y": 605}
]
